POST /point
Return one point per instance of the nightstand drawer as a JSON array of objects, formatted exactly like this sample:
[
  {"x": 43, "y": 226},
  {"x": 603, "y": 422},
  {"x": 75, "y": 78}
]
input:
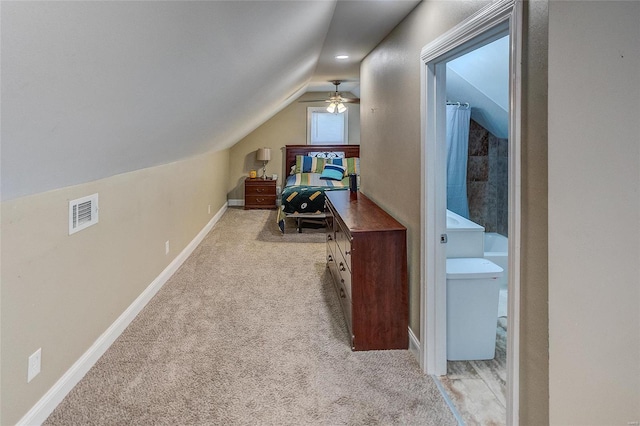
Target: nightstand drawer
[
  {"x": 259, "y": 190},
  {"x": 260, "y": 201},
  {"x": 259, "y": 193}
]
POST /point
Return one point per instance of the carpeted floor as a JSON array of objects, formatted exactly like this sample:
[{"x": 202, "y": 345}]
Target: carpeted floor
[{"x": 249, "y": 331}]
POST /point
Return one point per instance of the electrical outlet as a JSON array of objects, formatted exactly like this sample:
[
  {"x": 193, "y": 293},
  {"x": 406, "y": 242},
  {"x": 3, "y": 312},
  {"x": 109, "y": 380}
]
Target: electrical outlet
[
  {"x": 166, "y": 247},
  {"x": 34, "y": 365},
  {"x": 209, "y": 210}
]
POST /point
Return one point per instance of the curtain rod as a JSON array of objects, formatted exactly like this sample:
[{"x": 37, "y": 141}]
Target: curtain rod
[{"x": 465, "y": 104}]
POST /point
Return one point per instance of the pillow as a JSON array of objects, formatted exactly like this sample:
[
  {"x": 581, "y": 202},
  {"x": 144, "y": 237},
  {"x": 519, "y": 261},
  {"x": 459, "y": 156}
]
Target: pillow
[
  {"x": 306, "y": 164},
  {"x": 332, "y": 172},
  {"x": 351, "y": 164}
]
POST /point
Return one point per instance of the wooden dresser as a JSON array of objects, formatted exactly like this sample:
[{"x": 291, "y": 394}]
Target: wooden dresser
[
  {"x": 259, "y": 193},
  {"x": 367, "y": 257}
]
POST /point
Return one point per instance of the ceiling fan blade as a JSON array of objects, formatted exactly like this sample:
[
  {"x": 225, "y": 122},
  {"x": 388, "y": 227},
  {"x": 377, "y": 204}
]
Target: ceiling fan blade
[
  {"x": 315, "y": 100},
  {"x": 351, "y": 100}
]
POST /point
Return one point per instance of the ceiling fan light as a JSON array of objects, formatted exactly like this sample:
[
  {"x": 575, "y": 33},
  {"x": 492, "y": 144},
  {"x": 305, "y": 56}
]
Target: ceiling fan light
[
  {"x": 331, "y": 108},
  {"x": 341, "y": 108}
]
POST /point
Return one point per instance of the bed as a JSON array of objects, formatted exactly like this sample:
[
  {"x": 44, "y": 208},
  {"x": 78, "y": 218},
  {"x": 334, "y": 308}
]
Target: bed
[{"x": 302, "y": 197}]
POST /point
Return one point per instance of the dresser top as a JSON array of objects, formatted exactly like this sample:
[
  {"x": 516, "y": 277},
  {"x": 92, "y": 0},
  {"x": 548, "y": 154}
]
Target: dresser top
[{"x": 360, "y": 214}]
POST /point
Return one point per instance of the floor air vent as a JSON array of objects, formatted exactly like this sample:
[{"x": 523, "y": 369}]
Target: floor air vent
[{"x": 83, "y": 212}]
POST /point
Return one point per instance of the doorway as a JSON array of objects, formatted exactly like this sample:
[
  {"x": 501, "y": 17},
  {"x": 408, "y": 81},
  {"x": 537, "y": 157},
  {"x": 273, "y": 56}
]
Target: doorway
[{"x": 492, "y": 23}]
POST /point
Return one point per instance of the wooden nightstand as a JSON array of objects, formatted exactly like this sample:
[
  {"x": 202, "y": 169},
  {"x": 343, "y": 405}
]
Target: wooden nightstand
[{"x": 259, "y": 193}]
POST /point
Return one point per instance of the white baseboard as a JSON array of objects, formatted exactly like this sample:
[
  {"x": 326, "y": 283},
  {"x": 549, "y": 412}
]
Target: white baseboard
[
  {"x": 235, "y": 202},
  {"x": 414, "y": 345},
  {"x": 45, "y": 406}
]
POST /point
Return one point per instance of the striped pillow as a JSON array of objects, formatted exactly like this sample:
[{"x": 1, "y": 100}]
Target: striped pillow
[
  {"x": 305, "y": 164},
  {"x": 352, "y": 164},
  {"x": 332, "y": 172}
]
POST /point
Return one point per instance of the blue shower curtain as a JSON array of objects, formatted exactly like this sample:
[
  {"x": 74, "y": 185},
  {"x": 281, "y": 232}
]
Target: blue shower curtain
[{"x": 458, "y": 118}]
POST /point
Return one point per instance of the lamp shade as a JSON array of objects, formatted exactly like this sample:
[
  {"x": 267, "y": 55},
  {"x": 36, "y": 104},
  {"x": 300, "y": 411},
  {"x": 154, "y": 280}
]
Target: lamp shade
[{"x": 264, "y": 154}]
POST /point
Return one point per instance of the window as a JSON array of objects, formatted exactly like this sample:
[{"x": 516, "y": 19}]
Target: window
[{"x": 324, "y": 127}]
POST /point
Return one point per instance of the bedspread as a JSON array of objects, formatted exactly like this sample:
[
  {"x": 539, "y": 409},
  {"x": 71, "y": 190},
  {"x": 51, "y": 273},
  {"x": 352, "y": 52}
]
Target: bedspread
[{"x": 304, "y": 194}]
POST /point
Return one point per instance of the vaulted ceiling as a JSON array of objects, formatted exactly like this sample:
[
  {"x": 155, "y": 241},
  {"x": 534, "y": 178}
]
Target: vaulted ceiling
[{"x": 93, "y": 89}]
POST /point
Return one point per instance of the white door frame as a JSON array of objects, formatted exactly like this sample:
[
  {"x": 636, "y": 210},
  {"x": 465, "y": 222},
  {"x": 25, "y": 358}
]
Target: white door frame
[{"x": 496, "y": 20}]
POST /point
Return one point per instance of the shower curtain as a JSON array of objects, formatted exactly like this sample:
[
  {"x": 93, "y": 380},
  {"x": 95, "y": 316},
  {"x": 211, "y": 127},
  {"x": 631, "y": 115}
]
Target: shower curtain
[{"x": 458, "y": 118}]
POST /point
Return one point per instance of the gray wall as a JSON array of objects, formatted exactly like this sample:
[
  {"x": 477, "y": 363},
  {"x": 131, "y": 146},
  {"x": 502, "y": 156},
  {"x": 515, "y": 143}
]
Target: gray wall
[
  {"x": 60, "y": 292},
  {"x": 390, "y": 140},
  {"x": 594, "y": 212}
]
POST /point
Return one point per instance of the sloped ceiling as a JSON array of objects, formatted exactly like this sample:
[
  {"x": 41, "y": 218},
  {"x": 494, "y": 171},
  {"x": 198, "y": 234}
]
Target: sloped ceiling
[
  {"x": 93, "y": 89},
  {"x": 481, "y": 78}
]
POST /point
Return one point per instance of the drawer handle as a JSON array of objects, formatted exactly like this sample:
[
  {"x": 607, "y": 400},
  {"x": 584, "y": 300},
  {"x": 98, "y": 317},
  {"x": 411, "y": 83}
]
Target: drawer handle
[
  {"x": 259, "y": 189},
  {"x": 347, "y": 253},
  {"x": 330, "y": 258},
  {"x": 259, "y": 200},
  {"x": 342, "y": 267},
  {"x": 342, "y": 295},
  {"x": 329, "y": 238}
]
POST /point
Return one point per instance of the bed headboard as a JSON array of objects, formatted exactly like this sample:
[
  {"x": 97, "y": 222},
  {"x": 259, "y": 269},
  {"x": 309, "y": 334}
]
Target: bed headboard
[{"x": 290, "y": 152}]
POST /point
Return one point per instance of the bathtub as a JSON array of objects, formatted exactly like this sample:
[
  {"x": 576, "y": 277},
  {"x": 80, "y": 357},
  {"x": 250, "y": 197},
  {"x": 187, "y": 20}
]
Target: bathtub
[
  {"x": 496, "y": 249},
  {"x": 465, "y": 237}
]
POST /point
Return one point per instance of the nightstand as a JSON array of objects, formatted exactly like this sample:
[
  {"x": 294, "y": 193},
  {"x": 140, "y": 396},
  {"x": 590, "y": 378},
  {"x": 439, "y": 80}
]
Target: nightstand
[{"x": 259, "y": 193}]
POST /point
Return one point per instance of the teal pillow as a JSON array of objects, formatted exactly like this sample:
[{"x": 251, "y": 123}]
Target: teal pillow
[
  {"x": 352, "y": 164},
  {"x": 333, "y": 172}
]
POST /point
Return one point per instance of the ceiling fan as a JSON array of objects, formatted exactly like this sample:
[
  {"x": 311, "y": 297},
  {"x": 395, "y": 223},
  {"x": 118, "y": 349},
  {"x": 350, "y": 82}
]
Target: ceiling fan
[{"x": 336, "y": 101}]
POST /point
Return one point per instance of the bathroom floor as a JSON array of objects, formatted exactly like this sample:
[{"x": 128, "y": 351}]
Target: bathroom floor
[{"x": 478, "y": 388}]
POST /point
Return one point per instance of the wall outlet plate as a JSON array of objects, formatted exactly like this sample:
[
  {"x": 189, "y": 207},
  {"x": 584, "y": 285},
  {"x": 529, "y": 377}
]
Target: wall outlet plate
[{"x": 34, "y": 364}]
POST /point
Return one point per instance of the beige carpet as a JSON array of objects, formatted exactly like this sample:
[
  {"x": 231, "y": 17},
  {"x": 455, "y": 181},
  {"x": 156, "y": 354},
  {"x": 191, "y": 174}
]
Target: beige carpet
[{"x": 249, "y": 331}]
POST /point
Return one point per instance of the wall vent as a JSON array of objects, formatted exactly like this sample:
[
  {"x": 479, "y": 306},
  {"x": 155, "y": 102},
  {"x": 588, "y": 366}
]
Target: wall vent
[{"x": 83, "y": 212}]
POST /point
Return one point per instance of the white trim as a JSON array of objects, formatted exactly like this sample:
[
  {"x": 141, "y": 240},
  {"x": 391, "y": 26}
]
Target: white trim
[
  {"x": 45, "y": 406},
  {"x": 235, "y": 202},
  {"x": 414, "y": 345},
  {"x": 515, "y": 225},
  {"x": 481, "y": 28}
]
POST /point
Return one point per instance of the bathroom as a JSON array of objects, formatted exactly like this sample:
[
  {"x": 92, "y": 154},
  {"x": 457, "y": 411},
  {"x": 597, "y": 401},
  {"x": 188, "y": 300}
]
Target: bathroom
[{"x": 477, "y": 193}]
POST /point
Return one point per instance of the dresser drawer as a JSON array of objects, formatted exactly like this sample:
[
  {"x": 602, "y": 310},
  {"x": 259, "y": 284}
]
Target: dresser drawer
[
  {"x": 345, "y": 303},
  {"x": 343, "y": 242},
  {"x": 345, "y": 274}
]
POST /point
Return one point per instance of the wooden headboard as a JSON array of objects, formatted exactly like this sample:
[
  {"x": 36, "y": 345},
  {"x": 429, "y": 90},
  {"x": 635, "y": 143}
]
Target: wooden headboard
[{"x": 290, "y": 152}]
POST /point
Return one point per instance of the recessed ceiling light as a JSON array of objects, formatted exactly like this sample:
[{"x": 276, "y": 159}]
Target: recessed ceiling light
[{"x": 342, "y": 56}]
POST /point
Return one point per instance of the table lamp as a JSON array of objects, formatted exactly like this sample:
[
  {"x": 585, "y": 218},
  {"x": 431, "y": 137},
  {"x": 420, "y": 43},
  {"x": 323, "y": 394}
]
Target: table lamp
[{"x": 264, "y": 155}]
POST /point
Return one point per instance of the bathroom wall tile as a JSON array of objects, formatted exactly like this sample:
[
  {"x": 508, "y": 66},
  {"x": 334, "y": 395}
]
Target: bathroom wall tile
[
  {"x": 503, "y": 147},
  {"x": 487, "y": 162},
  {"x": 478, "y": 169},
  {"x": 503, "y": 222},
  {"x": 478, "y": 140},
  {"x": 493, "y": 145},
  {"x": 476, "y": 194}
]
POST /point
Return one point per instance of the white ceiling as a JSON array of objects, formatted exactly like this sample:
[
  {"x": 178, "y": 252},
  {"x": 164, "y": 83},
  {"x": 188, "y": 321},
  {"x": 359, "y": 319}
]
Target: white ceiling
[{"x": 93, "y": 89}]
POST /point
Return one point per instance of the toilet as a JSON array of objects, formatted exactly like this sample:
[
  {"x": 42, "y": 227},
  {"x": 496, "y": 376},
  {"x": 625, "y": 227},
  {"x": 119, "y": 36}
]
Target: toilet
[{"x": 473, "y": 289}]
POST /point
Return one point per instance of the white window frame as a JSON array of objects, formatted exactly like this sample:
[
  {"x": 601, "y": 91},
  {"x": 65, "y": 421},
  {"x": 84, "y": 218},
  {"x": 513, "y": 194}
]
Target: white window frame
[{"x": 323, "y": 110}]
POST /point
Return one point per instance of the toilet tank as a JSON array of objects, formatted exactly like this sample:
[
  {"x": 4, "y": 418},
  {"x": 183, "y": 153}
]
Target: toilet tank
[{"x": 464, "y": 237}]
